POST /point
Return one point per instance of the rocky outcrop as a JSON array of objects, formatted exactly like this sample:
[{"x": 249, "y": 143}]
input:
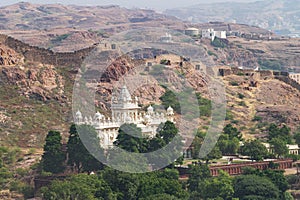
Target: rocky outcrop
[
  {"x": 9, "y": 56},
  {"x": 39, "y": 82}
]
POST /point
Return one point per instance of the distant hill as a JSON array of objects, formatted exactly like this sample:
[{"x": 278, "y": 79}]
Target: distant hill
[
  {"x": 280, "y": 16},
  {"x": 57, "y": 26}
]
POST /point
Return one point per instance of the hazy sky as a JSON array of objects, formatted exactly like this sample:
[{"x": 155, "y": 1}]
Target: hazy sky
[{"x": 153, "y": 4}]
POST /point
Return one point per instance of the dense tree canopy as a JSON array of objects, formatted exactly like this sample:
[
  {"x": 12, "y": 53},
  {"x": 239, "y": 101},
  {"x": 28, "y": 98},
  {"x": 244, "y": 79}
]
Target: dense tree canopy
[
  {"x": 255, "y": 149},
  {"x": 255, "y": 187},
  {"x": 232, "y": 132},
  {"x": 53, "y": 157},
  {"x": 198, "y": 175},
  {"x": 79, "y": 157},
  {"x": 283, "y": 133},
  {"x": 279, "y": 147},
  {"x": 130, "y": 138},
  {"x": 221, "y": 186}
]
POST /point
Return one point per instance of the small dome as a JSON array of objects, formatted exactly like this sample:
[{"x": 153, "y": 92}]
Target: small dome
[
  {"x": 150, "y": 109},
  {"x": 170, "y": 110},
  {"x": 78, "y": 114},
  {"x": 98, "y": 115}
]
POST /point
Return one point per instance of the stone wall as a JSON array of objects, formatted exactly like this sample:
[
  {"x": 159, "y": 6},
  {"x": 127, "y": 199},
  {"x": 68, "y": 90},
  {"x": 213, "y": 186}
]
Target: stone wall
[
  {"x": 289, "y": 81},
  {"x": 237, "y": 169},
  {"x": 45, "y": 56},
  {"x": 263, "y": 74}
]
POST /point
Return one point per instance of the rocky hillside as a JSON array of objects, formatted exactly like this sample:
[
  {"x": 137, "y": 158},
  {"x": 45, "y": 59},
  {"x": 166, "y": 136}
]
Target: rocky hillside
[
  {"x": 36, "y": 97},
  {"x": 282, "y": 55},
  {"x": 257, "y": 99},
  {"x": 280, "y": 16},
  {"x": 57, "y": 26}
]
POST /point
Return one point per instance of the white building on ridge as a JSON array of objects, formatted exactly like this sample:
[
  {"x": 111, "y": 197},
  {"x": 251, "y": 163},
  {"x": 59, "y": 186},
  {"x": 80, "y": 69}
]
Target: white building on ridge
[
  {"x": 212, "y": 34},
  {"x": 124, "y": 110}
]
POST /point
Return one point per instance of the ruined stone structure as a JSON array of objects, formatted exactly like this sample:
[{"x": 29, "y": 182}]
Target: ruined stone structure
[
  {"x": 295, "y": 77},
  {"x": 46, "y": 56},
  {"x": 124, "y": 110}
]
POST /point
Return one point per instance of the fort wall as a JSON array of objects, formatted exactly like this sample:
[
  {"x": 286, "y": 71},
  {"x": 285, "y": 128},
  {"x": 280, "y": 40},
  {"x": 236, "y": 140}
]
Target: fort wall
[{"x": 46, "y": 56}]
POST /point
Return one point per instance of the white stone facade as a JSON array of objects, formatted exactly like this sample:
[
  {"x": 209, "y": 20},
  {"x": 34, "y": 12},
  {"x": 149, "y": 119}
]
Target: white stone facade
[
  {"x": 212, "y": 34},
  {"x": 295, "y": 77},
  {"x": 124, "y": 110}
]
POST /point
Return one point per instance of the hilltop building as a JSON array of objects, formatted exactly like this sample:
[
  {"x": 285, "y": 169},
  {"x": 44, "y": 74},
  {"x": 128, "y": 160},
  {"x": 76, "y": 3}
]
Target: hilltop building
[
  {"x": 295, "y": 77},
  {"x": 293, "y": 149},
  {"x": 212, "y": 34},
  {"x": 166, "y": 38},
  {"x": 191, "y": 32},
  {"x": 124, "y": 110}
]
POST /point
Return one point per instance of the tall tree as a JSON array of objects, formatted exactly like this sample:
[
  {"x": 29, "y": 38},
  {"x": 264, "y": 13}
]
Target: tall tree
[
  {"x": 279, "y": 147},
  {"x": 198, "y": 175},
  {"x": 283, "y": 133},
  {"x": 232, "y": 132},
  {"x": 53, "y": 157},
  {"x": 255, "y": 149},
  {"x": 221, "y": 186},
  {"x": 168, "y": 131},
  {"x": 79, "y": 157},
  {"x": 215, "y": 153}
]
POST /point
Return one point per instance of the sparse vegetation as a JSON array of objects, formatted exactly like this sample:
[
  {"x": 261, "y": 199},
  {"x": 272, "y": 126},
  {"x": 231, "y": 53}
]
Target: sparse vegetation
[
  {"x": 234, "y": 83},
  {"x": 271, "y": 65},
  {"x": 241, "y": 96},
  {"x": 60, "y": 38},
  {"x": 217, "y": 42}
]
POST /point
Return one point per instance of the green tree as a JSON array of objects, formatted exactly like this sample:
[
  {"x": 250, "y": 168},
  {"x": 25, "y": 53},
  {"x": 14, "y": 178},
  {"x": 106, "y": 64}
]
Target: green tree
[
  {"x": 275, "y": 176},
  {"x": 221, "y": 186},
  {"x": 279, "y": 147},
  {"x": 255, "y": 149},
  {"x": 160, "y": 197},
  {"x": 218, "y": 42},
  {"x": 168, "y": 131},
  {"x": 130, "y": 138},
  {"x": 255, "y": 187},
  {"x": 283, "y": 133},
  {"x": 79, "y": 157},
  {"x": 232, "y": 132},
  {"x": 125, "y": 185},
  {"x": 198, "y": 175},
  {"x": 161, "y": 183},
  {"x": 228, "y": 146},
  {"x": 215, "y": 153},
  {"x": 297, "y": 138},
  {"x": 53, "y": 157},
  {"x": 169, "y": 98},
  {"x": 80, "y": 186}
]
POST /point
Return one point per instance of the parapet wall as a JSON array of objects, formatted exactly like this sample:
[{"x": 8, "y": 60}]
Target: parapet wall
[
  {"x": 263, "y": 74},
  {"x": 289, "y": 81},
  {"x": 45, "y": 56}
]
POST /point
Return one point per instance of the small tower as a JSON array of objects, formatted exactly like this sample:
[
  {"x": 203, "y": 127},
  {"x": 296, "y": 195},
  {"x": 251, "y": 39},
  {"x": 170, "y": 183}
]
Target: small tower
[
  {"x": 124, "y": 106},
  {"x": 78, "y": 118},
  {"x": 150, "y": 110},
  {"x": 170, "y": 114},
  {"x": 97, "y": 118}
]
